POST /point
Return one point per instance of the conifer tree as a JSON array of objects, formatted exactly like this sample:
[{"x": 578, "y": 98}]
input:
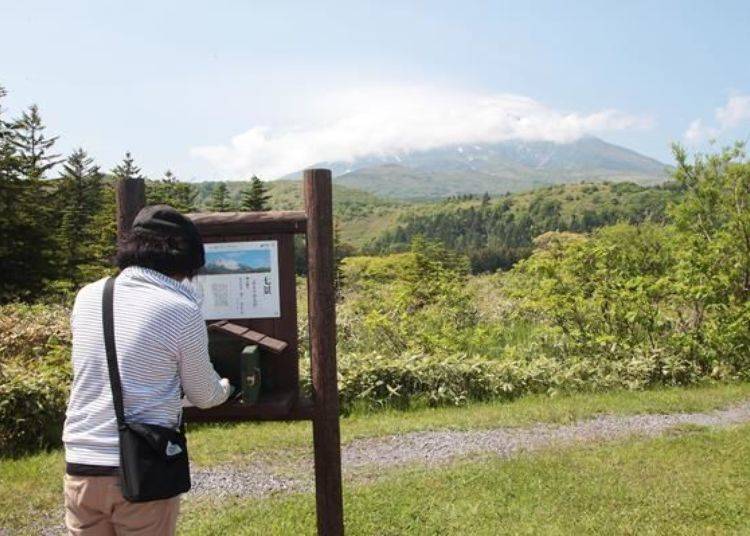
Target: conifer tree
[
  {"x": 32, "y": 145},
  {"x": 254, "y": 197},
  {"x": 220, "y": 201},
  {"x": 127, "y": 169},
  {"x": 80, "y": 194},
  {"x": 25, "y": 236},
  {"x": 104, "y": 221},
  {"x": 171, "y": 191}
]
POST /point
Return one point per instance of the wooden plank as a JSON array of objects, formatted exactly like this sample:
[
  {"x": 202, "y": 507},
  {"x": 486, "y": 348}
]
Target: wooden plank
[
  {"x": 130, "y": 195},
  {"x": 322, "y": 323},
  {"x": 248, "y": 223},
  {"x": 251, "y": 336}
]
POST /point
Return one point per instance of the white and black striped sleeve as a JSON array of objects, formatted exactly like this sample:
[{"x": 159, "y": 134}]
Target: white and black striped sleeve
[{"x": 200, "y": 381}]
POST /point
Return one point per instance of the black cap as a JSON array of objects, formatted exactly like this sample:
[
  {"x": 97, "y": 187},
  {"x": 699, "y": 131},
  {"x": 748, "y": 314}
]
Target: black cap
[{"x": 163, "y": 220}]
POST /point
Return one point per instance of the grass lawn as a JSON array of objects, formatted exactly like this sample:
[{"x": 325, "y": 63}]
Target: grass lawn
[
  {"x": 695, "y": 481},
  {"x": 31, "y": 486}
]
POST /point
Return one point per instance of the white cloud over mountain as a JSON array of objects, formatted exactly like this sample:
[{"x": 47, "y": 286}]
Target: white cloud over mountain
[
  {"x": 735, "y": 113},
  {"x": 229, "y": 264},
  {"x": 355, "y": 123}
]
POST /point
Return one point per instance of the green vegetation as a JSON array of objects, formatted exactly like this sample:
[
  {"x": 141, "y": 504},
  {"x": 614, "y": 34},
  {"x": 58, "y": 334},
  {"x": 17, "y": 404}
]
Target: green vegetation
[
  {"x": 37, "y": 477},
  {"x": 496, "y": 234},
  {"x": 690, "y": 483},
  {"x": 35, "y": 376},
  {"x": 255, "y": 197},
  {"x": 171, "y": 191},
  {"x": 220, "y": 199}
]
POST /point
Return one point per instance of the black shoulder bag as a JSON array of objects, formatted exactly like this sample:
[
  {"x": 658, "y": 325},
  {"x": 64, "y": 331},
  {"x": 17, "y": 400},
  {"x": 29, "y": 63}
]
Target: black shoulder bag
[{"x": 153, "y": 459}]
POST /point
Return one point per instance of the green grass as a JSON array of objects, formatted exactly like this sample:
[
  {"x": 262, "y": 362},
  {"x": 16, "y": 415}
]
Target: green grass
[
  {"x": 33, "y": 484},
  {"x": 29, "y": 488},
  {"x": 696, "y": 483}
]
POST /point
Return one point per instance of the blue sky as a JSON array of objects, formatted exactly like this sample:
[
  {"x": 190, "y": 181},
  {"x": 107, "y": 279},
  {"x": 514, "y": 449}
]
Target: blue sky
[{"x": 225, "y": 89}]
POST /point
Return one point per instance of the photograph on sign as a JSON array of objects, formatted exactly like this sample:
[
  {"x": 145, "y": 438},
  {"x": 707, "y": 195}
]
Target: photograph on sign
[{"x": 240, "y": 280}]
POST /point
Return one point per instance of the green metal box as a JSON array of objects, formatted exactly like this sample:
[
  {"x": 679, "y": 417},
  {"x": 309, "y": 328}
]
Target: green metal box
[{"x": 250, "y": 374}]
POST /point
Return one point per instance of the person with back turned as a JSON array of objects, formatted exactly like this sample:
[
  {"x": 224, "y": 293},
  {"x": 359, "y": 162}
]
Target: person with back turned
[{"x": 161, "y": 351}]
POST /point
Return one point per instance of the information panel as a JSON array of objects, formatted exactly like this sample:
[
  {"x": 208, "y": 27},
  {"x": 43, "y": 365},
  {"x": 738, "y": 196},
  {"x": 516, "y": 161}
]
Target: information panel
[{"x": 240, "y": 280}]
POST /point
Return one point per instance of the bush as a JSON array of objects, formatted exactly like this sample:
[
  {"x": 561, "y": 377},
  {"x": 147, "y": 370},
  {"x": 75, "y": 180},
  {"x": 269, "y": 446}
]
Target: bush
[
  {"x": 34, "y": 376},
  {"x": 30, "y": 331},
  {"x": 625, "y": 297},
  {"x": 33, "y": 397},
  {"x": 414, "y": 302},
  {"x": 375, "y": 381}
]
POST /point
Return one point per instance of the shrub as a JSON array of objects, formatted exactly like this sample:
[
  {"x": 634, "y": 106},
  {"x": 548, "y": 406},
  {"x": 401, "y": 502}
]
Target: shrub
[
  {"x": 33, "y": 397},
  {"x": 31, "y": 331},
  {"x": 34, "y": 376},
  {"x": 374, "y": 381}
]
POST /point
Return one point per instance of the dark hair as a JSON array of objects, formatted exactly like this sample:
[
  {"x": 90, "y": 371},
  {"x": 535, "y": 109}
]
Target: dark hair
[{"x": 170, "y": 255}]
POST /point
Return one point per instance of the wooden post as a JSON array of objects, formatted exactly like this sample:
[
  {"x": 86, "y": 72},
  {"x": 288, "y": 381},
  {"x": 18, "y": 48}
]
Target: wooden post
[
  {"x": 131, "y": 198},
  {"x": 322, "y": 324}
]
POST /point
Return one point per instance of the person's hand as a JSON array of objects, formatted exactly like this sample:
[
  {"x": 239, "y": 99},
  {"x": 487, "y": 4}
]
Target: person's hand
[{"x": 228, "y": 387}]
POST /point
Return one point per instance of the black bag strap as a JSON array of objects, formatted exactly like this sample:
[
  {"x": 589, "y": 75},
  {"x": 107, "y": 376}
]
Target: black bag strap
[{"x": 108, "y": 318}]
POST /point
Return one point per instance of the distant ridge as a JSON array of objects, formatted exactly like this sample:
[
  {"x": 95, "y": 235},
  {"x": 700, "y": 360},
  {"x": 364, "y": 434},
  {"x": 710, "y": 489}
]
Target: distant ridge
[{"x": 495, "y": 168}]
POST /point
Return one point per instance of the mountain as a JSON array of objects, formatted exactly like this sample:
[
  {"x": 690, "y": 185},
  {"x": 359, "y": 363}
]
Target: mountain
[{"x": 495, "y": 168}]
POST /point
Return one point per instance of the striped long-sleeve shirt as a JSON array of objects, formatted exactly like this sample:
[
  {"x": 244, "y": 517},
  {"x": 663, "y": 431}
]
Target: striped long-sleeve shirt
[{"x": 162, "y": 344}]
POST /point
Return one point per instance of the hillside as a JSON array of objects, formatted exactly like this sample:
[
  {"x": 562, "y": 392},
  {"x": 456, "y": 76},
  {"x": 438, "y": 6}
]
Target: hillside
[
  {"x": 495, "y": 233},
  {"x": 495, "y": 168},
  {"x": 500, "y": 229}
]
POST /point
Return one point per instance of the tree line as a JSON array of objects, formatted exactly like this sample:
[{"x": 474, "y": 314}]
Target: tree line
[
  {"x": 57, "y": 213},
  {"x": 497, "y": 234}
]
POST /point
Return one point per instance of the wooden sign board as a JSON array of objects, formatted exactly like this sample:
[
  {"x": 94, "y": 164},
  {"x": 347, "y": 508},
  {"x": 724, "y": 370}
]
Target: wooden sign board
[{"x": 230, "y": 297}]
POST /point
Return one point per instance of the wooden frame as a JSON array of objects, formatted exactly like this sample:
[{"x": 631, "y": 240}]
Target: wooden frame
[{"x": 283, "y": 402}]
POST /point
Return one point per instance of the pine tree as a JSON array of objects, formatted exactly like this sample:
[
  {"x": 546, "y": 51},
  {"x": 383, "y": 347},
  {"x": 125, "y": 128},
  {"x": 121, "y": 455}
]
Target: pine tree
[
  {"x": 32, "y": 144},
  {"x": 104, "y": 228},
  {"x": 254, "y": 198},
  {"x": 220, "y": 201},
  {"x": 80, "y": 194},
  {"x": 26, "y": 245},
  {"x": 104, "y": 221},
  {"x": 127, "y": 169},
  {"x": 171, "y": 191}
]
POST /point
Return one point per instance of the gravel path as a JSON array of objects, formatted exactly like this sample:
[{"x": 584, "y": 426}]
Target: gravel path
[{"x": 439, "y": 447}]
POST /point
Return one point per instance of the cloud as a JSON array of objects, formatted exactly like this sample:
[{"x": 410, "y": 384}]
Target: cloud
[
  {"x": 697, "y": 132},
  {"x": 392, "y": 120},
  {"x": 736, "y": 112},
  {"x": 229, "y": 264},
  {"x": 733, "y": 114}
]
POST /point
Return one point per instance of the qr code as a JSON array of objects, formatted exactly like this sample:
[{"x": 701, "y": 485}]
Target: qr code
[{"x": 220, "y": 293}]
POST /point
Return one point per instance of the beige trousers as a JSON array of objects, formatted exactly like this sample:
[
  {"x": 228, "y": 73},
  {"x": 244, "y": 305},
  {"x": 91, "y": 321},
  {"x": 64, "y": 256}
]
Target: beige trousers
[{"x": 94, "y": 506}]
